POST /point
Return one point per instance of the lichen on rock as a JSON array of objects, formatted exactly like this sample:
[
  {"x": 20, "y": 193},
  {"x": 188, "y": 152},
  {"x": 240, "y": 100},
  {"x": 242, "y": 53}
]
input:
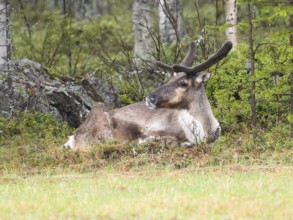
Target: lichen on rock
[{"x": 34, "y": 89}]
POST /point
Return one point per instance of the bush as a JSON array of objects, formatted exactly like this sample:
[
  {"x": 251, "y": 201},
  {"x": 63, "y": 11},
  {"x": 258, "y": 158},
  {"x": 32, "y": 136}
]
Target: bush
[{"x": 32, "y": 127}]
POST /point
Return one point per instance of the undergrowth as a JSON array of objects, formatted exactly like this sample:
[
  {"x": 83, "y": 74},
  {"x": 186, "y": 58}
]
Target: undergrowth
[{"x": 32, "y": 143}]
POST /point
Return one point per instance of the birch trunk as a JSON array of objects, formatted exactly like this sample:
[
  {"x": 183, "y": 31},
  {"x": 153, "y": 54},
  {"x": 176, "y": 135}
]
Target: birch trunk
[
  {"x": 171, "y": 20},
  {"x": 231, "y": 19},
  {"x": 143, "y": 19},
  {"x": 5, "y": 52}
]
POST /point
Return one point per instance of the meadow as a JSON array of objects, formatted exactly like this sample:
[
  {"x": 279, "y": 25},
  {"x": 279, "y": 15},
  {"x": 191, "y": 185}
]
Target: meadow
[
  {"x": 223, "y": 192},
  {"x": 237, "y": 177}
]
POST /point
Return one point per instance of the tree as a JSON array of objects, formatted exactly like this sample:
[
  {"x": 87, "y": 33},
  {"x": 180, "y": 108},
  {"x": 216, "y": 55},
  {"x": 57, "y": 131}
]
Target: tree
[
  {"x": 5, "y": 42},
  {"x": 54, "y": 4},
  {"x": 82, "y": 9},
  {"x": 88, "y": 9},
  {"x": 219, "y": 10},
  {"x": 25, "y": 18},
  {"x": 67, "y": 11},
  {"x": 171, "y": 20},
  {"x": 142, "y": 18},
  {"x": 5, "y": 48},
  {"x": 291, "y": 44},
  {"x": 251, "y": 68},
  {"x": 231, "y": 19}
]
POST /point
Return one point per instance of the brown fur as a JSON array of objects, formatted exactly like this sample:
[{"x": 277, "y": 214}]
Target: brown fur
[{"x": 97, "y": 127}]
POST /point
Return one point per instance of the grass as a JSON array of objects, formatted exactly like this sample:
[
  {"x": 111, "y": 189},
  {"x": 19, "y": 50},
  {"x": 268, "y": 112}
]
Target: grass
[
  {"x": 237, "y": 177},
  {"x": 226, "y": 192}
]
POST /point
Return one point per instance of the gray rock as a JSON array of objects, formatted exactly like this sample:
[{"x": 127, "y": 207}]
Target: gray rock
[{"x": 34, "y": 89}]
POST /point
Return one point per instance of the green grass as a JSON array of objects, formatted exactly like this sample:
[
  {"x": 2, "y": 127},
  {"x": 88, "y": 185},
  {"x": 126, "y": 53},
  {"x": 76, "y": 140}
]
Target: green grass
[
  {"x": 237, "y": 177},
  {"x": 231, "y": 192}
]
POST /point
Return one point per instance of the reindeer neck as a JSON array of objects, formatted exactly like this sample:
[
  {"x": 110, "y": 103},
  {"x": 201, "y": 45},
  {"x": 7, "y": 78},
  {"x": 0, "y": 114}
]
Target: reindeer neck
[{"x": 201, "y": 110}]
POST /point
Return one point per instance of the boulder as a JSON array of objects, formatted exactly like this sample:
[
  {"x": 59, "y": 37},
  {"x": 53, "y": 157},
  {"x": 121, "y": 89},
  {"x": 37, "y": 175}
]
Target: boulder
[{"x": 32, "y": 88}]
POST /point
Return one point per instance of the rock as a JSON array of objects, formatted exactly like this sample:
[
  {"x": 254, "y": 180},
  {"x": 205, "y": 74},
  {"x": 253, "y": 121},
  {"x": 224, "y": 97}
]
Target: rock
[{"x": 34, "y": 89}]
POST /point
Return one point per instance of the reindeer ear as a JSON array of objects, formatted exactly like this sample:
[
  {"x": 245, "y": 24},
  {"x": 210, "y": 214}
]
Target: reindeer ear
[{"x": 202, "y": 78}]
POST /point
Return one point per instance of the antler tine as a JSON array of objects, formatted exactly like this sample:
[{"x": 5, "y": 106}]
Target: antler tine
[
  {"x": 220, "y": 54},
  {"x": 187, "y": 61},
  {"x": 164, "y": 66},
  {"x": 190, "y": 56}
]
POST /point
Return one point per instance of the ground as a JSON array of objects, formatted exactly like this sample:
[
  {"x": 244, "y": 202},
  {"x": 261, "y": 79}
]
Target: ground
[
  {"x": 219, "y": 192},
  {"x": 237, "y": 177}
]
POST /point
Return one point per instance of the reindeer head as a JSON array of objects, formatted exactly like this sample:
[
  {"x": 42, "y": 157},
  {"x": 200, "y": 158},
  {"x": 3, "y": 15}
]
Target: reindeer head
[
  {"x": 177, "y": 93},
  {"x": 180, "y": 91}
]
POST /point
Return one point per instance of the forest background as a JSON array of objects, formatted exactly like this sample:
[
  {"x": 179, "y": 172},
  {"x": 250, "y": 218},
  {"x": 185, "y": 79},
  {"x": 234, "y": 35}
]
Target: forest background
[
  {"x": 250, "y": 91},
  {"x": 51, "y": 51}
]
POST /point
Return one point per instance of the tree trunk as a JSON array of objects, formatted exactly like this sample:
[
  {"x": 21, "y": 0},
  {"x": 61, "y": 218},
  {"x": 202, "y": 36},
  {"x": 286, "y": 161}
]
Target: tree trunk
[
  {"x": 88, "y": 9},
  {"x": 5, "y": 48},
  {"x": 142, "y": 18},
  {"x": 34, "y": 3},
  {"x": 67, "y": 11},
  {"x": 83, "y": 9},
  {"x": 291, "y": 44},
  {"x": 231, "y": 19},
  {"x": 171, "y": 20},
  {"x": 25, "y": 18},
  {"x": 252, "y": 60},
  {"x": 217, "y": 12},
  {"x": 53, "y": 4}
]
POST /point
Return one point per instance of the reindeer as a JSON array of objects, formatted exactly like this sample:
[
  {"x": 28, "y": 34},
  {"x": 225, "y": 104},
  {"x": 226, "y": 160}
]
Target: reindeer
[{"x": 178, "y": 111}]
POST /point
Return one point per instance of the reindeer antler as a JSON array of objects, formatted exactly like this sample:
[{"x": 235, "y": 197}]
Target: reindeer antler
[
  {"x": 164, "y": 66},
  {"x": 189, "y": 58},
  {"x": 220, "y": 54}
]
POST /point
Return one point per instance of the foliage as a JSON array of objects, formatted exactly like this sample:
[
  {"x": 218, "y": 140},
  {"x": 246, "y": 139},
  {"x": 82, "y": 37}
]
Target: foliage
[
  {"x": 65, "y": 46},
  {"x": 103, "y": 47},
  {"x": 230, "y": 86},
  {"x": 32, "y": 125}
]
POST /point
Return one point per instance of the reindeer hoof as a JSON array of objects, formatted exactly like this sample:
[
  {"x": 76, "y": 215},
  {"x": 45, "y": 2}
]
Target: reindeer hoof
[{"x": 70, "y": 142}]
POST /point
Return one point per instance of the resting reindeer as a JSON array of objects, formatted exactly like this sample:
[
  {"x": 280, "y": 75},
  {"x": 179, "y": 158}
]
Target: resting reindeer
[{"x": 178, "y": 110}]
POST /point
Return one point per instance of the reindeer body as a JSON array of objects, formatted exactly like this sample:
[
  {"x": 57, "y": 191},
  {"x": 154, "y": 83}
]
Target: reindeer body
[
  {"x": 188, "y": 126},
  {"x": 138, "y": 122},
  {"x": 149, "y": 122},
  {"x": 177, "y": 111}
]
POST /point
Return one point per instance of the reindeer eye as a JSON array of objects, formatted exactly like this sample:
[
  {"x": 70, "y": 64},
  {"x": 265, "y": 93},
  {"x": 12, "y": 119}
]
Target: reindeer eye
[{"x": 182, "y": 84}]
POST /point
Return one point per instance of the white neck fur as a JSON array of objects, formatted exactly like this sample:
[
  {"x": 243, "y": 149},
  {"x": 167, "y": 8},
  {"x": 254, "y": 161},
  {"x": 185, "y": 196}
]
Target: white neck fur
[{"x": 192, "y": 128}]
